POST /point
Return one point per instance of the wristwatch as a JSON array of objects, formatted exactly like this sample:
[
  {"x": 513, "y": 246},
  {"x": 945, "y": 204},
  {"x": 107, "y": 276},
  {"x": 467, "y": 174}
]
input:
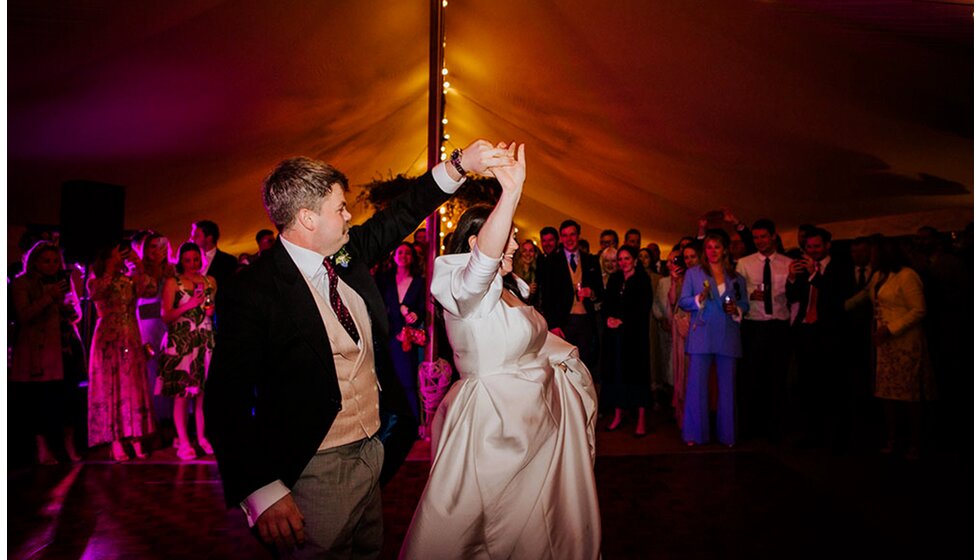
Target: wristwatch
[{"x": 456, "y": 158}]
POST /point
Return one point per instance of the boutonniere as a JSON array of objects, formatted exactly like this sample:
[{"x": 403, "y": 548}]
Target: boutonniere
[{"x": 341, "y": 257}]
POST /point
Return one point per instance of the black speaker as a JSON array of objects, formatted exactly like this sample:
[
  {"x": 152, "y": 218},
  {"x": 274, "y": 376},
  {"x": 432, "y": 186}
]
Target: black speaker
[{"x": 92, "y": 215}]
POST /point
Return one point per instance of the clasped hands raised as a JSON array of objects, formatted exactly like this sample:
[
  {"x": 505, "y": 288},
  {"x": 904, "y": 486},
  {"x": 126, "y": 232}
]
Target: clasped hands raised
[{"x": 503, "y": 161}]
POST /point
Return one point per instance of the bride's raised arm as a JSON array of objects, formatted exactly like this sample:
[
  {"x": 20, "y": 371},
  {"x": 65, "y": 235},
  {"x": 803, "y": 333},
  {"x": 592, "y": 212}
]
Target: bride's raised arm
[
  {"x": 493, "y": 237},
  {"x": 459, "y": 286}
]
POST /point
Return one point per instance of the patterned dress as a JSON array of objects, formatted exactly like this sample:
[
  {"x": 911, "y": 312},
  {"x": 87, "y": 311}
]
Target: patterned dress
[
  {"x": 904, "y": 371},
  {"x": 186, "y": 351},
  {"x": 119, "y": 396}
]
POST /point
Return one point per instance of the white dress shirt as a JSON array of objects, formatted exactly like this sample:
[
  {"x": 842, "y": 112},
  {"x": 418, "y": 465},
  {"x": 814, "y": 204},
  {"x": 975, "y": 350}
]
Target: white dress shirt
[
  {"x": 206, "y": 259},
  {"x": 751, "y": 268}
]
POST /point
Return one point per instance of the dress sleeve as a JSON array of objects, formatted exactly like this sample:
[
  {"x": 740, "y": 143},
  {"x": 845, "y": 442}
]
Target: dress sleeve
[
  {"x": 460, "y": 283},
  {"x": 689, "y": 292},
  {"x": 910, "y": 286}
]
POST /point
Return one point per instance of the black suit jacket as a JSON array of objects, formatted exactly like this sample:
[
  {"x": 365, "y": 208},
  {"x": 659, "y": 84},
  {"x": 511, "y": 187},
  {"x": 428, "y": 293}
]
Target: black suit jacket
[
  {"x": 835, "y": 284},
  {"x": 556, "y": 292},
  {"x": 272, "y": 386},
  {"x": 222, "y": 267}
]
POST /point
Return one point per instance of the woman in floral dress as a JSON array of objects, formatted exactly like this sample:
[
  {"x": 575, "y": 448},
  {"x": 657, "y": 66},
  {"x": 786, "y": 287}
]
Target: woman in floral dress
[
  {"x": 904, "y": 378},
  {"x": 188, "y": 302},
  {"x": 119, "y": 396}
]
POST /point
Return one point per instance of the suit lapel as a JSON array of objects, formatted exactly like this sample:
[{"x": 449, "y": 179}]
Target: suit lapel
[
  {"x": 304, "y": 312},
  {"x": 715, "y": 294}
]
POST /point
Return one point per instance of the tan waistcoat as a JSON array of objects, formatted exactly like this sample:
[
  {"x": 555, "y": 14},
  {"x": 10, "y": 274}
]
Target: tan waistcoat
[{"x": 358, "y": 417}]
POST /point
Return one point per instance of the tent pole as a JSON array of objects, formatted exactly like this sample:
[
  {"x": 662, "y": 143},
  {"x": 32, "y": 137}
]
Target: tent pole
[{"x": 436, "y": 105}]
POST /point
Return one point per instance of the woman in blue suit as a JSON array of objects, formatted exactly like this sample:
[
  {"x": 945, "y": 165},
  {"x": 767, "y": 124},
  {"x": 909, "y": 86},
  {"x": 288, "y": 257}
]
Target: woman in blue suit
[{"x": 716, "y": 297}]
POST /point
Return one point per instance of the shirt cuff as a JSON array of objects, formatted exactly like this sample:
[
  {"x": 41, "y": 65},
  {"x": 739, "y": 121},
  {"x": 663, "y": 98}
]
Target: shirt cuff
[
  {"x": 697, "y": 301},
  {"x": 262, "y": 499},
  {"x": 445, "y": 182}
]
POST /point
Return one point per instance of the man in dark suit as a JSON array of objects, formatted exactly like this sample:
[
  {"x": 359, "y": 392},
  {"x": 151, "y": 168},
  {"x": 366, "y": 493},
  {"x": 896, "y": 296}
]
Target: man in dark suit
[
  {"x": 301, "y": 374},
  {"x": 549, "y": 241},
  {"x": 657, "y": 265},
  {"x": 216, "y": 263},
  {"x": 821, "y": 286},
  {"x": 570, "y": 286}
]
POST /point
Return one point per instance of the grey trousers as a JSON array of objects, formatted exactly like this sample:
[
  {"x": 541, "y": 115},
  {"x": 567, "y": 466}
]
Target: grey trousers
[{"x": 340, "y": 498}]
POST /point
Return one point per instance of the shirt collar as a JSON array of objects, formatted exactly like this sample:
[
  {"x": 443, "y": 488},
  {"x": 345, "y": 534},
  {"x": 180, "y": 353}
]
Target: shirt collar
[
  {"x": 310, "y": 263},
  {"x": 569, "y": 253}
]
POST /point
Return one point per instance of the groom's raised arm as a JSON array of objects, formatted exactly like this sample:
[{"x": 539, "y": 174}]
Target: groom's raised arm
[{"x": 375, "y": 238}]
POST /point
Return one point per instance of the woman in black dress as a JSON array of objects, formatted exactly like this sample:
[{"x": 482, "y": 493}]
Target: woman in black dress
[
  {"x": 626, "y": 340},
  {"x": 403, "y": 288}
]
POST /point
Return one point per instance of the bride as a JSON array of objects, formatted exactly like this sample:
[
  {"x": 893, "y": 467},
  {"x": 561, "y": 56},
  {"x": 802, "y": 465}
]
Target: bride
[{"x": 514, "y": 439}]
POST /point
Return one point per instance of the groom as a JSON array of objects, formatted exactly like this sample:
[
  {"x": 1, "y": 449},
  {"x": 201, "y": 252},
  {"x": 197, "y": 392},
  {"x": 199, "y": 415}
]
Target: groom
[{"x": 301, "y": 371}]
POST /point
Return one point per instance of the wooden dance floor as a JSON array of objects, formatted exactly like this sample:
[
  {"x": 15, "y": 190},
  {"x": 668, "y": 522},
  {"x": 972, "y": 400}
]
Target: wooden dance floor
[{"x": 658, "y": 500}]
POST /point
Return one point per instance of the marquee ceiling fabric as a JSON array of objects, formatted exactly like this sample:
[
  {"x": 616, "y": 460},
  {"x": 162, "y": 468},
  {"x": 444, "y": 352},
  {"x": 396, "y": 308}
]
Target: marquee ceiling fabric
[{"x": 635, "y": 113}]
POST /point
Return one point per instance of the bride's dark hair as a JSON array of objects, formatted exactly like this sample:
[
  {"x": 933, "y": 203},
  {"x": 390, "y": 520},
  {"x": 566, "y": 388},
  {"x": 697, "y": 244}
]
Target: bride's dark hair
[{"x": 470, "y": 223}]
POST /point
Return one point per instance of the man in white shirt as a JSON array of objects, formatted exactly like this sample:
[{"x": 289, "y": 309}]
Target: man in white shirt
[
  {"x": 295, "y": 401},
  {"x": 766, "y": 342}
]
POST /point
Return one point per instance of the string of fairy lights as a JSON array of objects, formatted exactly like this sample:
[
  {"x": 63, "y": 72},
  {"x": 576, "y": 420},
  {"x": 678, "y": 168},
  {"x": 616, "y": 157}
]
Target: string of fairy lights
[{"x": 451, "y": 210}]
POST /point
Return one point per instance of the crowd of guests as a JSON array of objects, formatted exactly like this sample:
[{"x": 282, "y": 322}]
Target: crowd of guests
[
  {"x": 150, "y": 343},
  {"x": 744, "y": 338},
  {"x": 152, "y": 326},
  {"x": 737, "y": 335}
]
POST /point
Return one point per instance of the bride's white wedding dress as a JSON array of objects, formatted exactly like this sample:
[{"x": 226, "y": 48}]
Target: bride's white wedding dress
[{"x": 514, "y": 439}]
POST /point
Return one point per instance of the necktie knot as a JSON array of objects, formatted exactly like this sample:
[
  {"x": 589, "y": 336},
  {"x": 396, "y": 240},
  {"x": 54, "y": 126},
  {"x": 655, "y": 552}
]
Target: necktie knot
[{"x": 331, "y": 273}]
